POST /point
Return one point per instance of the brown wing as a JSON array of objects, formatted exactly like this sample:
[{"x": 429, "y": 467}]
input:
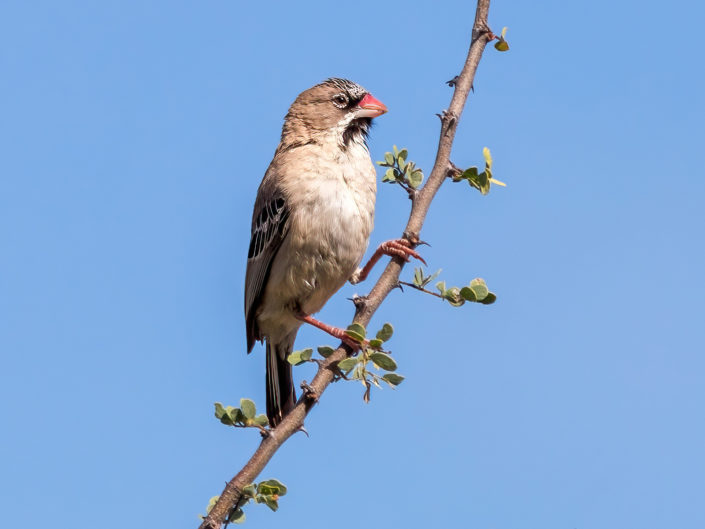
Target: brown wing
[{"x": 270, "y": 224}]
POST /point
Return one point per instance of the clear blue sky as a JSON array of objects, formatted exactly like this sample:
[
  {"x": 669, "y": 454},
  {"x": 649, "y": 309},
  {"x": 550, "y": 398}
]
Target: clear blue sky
[{"x": 133, "y": 136}]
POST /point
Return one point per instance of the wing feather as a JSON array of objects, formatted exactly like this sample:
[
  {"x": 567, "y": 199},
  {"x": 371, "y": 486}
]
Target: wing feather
[{"x": 270, "y": 224}]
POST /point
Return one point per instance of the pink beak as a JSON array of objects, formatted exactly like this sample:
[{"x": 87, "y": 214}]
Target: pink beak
[{"x": 370, "y": 107}]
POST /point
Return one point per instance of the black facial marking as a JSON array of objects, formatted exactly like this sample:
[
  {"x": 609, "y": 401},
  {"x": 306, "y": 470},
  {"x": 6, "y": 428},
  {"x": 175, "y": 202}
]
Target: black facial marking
[{"x": 358, "y": 129}]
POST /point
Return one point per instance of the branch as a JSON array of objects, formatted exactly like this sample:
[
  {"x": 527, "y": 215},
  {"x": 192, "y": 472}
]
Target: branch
[
  {"x": 366, "y": 307},
  {"x": 421, "y": 289}
]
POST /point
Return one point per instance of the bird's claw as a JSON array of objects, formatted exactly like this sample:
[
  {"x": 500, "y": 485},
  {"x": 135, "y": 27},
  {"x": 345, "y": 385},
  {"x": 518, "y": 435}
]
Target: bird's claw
[{"x": 400, "y": 248}]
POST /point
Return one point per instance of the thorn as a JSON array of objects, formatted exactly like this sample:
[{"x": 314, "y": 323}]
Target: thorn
[
  {"x": 422, "y": 243},
  {"x": 399, "y": 286},
  {"x": 302, "y": 429},
  {"x": 358, "y": 301},
  {"x": 453, "y": 81}
]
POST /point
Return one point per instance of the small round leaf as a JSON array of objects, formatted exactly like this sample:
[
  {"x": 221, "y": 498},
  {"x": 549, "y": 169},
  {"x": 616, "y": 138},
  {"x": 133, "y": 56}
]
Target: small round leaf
[
  {"x": 325, "y": 351},
  {"x": 468, "y": 294},
  {"x": 393, "y": 379},
  {"x": 261, "y": 420},
  {"x": 347, "y": 364},
  {"x": 386, "y": 332},
  {"x": 383, "y": 361},
  {"x": 248, "y": 408},
  {"x": 356, "y": 332},
  {"x": 491, "y": 298}
]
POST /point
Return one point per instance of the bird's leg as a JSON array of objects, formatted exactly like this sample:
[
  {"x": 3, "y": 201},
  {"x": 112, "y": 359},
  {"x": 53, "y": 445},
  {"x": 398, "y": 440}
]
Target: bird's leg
[
  {"x": 335, "y": 332},
  {"x": 394, "y": 248}
]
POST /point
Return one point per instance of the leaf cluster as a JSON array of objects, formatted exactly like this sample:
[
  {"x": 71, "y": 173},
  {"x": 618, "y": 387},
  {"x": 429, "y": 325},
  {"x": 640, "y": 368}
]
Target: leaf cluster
[
  {"x": 371, "y": 356},
  {"x": 400, "y": 171},
  {"x": 305, "y": 355},
  {"x": 244, "y": 416},
  {"x": 421, "y": 280},
  {"x": 476, "y": 292},
  {"x": 267, "y": 492},
  {"x": 480, "y": 181}
]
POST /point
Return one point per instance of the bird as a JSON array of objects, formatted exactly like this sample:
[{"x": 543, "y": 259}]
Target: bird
[{"x": 311, "y": 225}]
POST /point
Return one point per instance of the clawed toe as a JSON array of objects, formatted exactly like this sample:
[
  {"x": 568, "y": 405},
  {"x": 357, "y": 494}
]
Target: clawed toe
[{"x": 401, "y": 248}]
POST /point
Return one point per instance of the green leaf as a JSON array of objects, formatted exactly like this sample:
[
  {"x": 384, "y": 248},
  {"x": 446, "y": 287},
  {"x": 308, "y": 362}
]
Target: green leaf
[
  {"x": 386, "y": 332},
  {"x": 226, "y": 417},
  {"x": 295, "y": 358},
  {"x": 347, "y": 364},
  {"x": 250, "y": 490},
  {"x": 219, "y": 410},
  {"x": 389, "y": 176},
  {"x": 504, "y": 32},
  {"x": 356, "y": 374},
  {"x": 468, "y": 294},
  {"x": 261, "y": 420},
  {"x": 396, "y": 151},
  {"x": 441, "y": 286},
  {"x": 393, "y": 379},
  {"x": 383, "y": 361},
  {"x": 211, "y": 504},
  {"x": 416, "y": 178},
  {"x": 452, "y": 295},
  {"x": 418, "y": 277},
  {"x": 389, "y": 158},
  {"x": 488, "y": 157},
  {"x": 281, "y": 488},
  {"x": 469, "y": 173},
  {"x": 235, "y": 415},
  {"x": 402, "y": 164},
  {"x": 491, "y": 298},
  {"x": 248, "y": 408},
  {"x": 402, "y": 155},
  {"x": 356, "y": 332},
  {"x": 299, "y": 357},
  {"x": 267, "y": 490},
  {"x": 375, "y": 343},
  {"x": 271, "y": 503},
  {"x": 480, "y": 182},
  {"x": 433, "y": 276},
  {"x": 237, "y": 516},
  {"x": 501, "y": 45},
  {"x": 480, "y": 289},
  {"x": 325, "y": 351}
]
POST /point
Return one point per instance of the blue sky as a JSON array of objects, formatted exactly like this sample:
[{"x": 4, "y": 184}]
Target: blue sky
[{"x": 133, "y": 137}]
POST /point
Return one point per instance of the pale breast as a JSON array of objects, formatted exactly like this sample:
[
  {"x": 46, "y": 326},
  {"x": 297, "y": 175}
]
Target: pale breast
[{"x": 332, "y": 214}]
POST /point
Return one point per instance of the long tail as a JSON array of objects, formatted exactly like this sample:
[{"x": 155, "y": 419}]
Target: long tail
[{"x": 280, "y": 382}]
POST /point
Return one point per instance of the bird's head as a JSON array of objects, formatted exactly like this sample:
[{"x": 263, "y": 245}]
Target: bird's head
[{"x": 336, "y": 109}]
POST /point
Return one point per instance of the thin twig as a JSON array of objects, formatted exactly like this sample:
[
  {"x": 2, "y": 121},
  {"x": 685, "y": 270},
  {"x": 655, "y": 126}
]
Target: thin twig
[
  {"x": 421, "y": 289},
  {"x": 386, "y": 283}
]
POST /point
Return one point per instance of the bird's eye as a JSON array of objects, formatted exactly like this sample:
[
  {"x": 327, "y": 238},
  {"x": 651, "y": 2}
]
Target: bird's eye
[{"x": 340, "y": 101}]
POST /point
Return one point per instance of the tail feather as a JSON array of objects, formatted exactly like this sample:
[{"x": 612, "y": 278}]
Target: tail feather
[{"x": 281, "y": 397}]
